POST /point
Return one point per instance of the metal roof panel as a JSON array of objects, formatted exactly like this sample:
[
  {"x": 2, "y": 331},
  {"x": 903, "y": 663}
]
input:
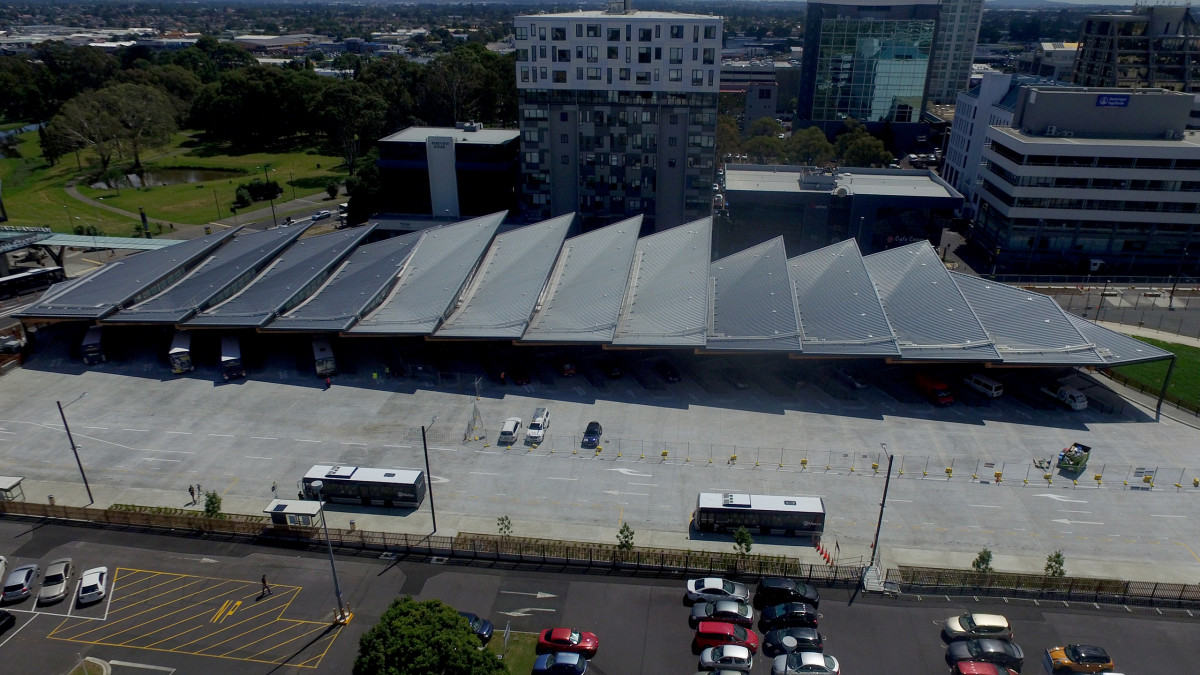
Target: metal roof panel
[
  {"x": 1117, "y": 349},
  {"x": 753, "y": 306},
  {"x": 666, "y": 301},
  {"x": 840, "y": 310}
]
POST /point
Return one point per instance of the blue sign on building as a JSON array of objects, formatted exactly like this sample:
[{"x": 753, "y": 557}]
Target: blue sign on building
[{"x": 1112, "y": 100}]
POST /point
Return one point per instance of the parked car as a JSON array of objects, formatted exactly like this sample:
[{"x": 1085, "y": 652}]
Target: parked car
[
  {"x": 57, "y": 581},
  {"x": 568, "y": 640},
  {"x": 717, "y": 633},
  {"x": 7, "y": 620},
  {"x": 728, "y": 611},
  {"x": 971, "y": 625},
  {"x": 3, "y": 566},
  {"x": 1000, "y": 652},
  {"x": 1079, "y": 659},
  {"x": 560, "y": 663},
  {"x": 320, "y": 215},
  {"x": 729, "y": 657},
  {"x": 667, "y": 371},
  {"x": 536, "y": 431},
  {"x": 794, "y": 639},
  {"x": 19, "y": 584},
  {"x": 776, "y": 590},
  {"x": 715, "y": 588},
  {"x": 509, "y": 431},
  {"x": 787, "y": 614},
  {"x": 805, "y": 662},
  {"x": 92, "y": 585},
  {"x": 591, "y": 435},
  {"x": 482, "y": 628},
  {"x": 566, "y": 368}
]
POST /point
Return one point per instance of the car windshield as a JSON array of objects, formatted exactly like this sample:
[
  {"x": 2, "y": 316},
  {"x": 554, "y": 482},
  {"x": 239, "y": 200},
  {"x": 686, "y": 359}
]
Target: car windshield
[
  {"x": 52, "y": 579},
  {"x": 90, "y": 589},
  {"x": 739, "y": 632},
  {"x": 727, "y": 587},
  {"x": 574, "y": 639},
  {"x": 13, "y": 587},
  {"x": 966, "y": 622},
  {"x": 535, "y": 426},
  {"x": 475, "y": 622}
]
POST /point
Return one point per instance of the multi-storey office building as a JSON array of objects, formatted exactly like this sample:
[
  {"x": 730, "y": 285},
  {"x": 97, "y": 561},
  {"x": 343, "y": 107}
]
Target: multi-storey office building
[
  {"x": 618, "y": 113},
  {"x": 954, "y": 48},
  {"x": 1150, "y": 47},
  {"x": 1092, "y": 179}
]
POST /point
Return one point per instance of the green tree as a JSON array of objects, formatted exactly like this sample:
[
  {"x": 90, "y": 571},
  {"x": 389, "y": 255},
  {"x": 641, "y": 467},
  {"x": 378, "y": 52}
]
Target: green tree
[
  {"x": 1056, "y": 565},
  {"x": 351, "y": 116},
  {"x": 504, "y": 526},
  {"x": 866, "y": 151},
  {"x": 419, "y": 638},
  {"x": 762, "y": 148},
  {"x": 212, "y": 504},
  {"x": 742, "y": 541},
  {"x": 729, "y": 139},
  {"x": 809, "y": 147},
  {"x": 625, "y": 537},
  {"x": 144, "y": 115},
  {"x": 332, "y": 189},
  {"x": 765, "y": 126},
  {"x": 85, "y": 122},
  {"x": 456, "y": 84},
  {"x": 983, "y": 561}
]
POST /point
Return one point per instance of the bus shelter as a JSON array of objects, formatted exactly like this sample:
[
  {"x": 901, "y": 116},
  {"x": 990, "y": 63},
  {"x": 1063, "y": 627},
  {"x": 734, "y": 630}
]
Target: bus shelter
[
  {"x": 10, "y": 488},
  {"x": 296, "y": 512}
]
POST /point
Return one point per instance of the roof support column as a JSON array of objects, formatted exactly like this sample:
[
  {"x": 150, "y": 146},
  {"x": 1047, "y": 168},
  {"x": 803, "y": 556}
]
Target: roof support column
[{"x": 1163, "y": 392}]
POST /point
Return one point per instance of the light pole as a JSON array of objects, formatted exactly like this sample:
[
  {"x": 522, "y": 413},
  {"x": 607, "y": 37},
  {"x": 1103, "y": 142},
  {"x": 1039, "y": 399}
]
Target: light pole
[
  {"x": 1100, "y": 304},
  {"x": 292, "y": 182},
  {"x": 887, "y": 481},
  {"x": 1175, "y": 283},
  {"x": 428, "y": 476},
  {"x": 341, "y": 617},
  {"x": 74, "y": 449}
]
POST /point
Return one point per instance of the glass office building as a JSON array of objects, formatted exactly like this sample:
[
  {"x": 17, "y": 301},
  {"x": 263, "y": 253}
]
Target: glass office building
[{"x": 872, "y": 70}]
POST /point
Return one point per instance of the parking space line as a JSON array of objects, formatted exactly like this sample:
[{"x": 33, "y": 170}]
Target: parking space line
[
  {"x": 320, "y": 626},
  {"x": 14, "y": 633}
]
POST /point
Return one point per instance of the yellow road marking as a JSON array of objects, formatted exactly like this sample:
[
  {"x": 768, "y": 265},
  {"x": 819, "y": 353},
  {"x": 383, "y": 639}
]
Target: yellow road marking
[
  {"x": 164, "y": 616},
  {"x": 245, "y": 646},
  {"x": 141, "y": 613},
  {"x": 1189, "y": 550},
  {"x": 323, "y": 626},
  {"x": 217, "y": 616},
  {"x": 278, "y": 612}
]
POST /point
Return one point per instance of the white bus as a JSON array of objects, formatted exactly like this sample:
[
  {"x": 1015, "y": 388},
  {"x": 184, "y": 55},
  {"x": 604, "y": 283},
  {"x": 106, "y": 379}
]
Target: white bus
[
  {"x": 323, "y": 357},
  {"x": 364, "y": 486},
  {"x": 231, "y": 358},
  {"x": 762, "y": 514},
  {"x": 181, "y": 352}
]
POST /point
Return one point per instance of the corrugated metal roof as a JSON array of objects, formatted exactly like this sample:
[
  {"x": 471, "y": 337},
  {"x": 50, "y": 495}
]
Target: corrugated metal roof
[
  {"x": 582, "y": 300},
  {"x": 357, "y": 287},
  {"x": 1027, "y": 327},
  {"x": 666, "y": 301},
  {"x": 929, "y": 314},
  {"x": 1116, "y": 348},
  {"x": 290, "y": 278},
  {"x": 123, "y": 243},
  {"x": 218, "y": 277},
  {"x": 840, "y": 309},
  {"x": 434, "y": 276},
  {"x": 502, "y": 295},
  {"x": 753, "y": 306},
  {"x": 122, "y": 282}
]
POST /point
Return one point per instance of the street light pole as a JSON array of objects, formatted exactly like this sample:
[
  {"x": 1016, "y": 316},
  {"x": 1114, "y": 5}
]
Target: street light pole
[
  {"x": 337, "y": 588},
  {"x": 74, "y": 449},
  {"x": 428, "y": 476},
  {"x": 886, "y": 482},
  {"x": 1100, "y": 304}
]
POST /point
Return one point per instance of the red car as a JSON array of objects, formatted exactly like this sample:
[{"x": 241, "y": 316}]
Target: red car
[
  {"x": 717, "y": 633},
  {"x": 568, "y": 640}
]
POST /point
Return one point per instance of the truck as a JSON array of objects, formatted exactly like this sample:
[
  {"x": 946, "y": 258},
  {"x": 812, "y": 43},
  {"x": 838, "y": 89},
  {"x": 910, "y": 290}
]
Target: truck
[
  {"x": 1067, "y": 395},
  {"x": 90, "y": 348},
  {"x": 1074, "y": 457},
  {"x": 323, "y": 357},
  {"x": 231, "y": 358},
  {"x": 181, "y": 352},
  {"x": 933, "y": 389}
]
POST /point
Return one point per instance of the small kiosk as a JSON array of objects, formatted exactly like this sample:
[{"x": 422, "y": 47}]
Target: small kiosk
[
  {"x": 10, "y": 489},
  {"x": 294, "y": 512}
]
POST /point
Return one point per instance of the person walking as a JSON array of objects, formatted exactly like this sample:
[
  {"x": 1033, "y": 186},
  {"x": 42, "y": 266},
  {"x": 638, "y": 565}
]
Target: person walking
[
  {"x": 192, "y": 492},
  {"x": 328, "y": 383},
  {"x": 266, "y": 588}
]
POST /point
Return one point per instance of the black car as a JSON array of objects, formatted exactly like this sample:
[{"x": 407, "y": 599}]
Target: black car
[
  {"x": 591, "y": 435},
  {"x": 667, "y": 371},
  {"x": 999, "y": 652},
  {"x": 7, "y": 620},
  {"x": 786, "y": 615},
  {"x": 777, "y": 590},
  {"x": 480, "y": 626},
  {"x": 795, "y": 639}
]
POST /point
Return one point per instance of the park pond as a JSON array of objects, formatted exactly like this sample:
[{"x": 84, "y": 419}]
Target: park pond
[{"x": 157, "y": 177}]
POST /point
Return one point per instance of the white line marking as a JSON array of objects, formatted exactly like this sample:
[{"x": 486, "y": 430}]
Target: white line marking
[
  {"x": 445, "y": 449},
  {"x": 557, "y": 478},
  {"x": 1160, "y": 515},
  {"x": 305, "y": 440},
  {"x": 264, "y": 438},
  {"x": 173, "y": 452},
  {"x": 985, "y": 506},
  {"x": 483, "y": 473},
  {"x": 100, "y": 428},
  {"x": 159, "y": 459},
  {"x": 14, "y": 633},
  {"x": 362, "y": 444},
  {"x": 222, "y": 435},
  {"x": 181, "y": 433},
  {"x": 255, "y": 457},
  {"x": 646, "y": 484},
  {"x": 143, "y": 666},
  {"x": 141, "y": 430},
  {"x": 397, "y": 446},
  {"x": 1070, "y": 511},
  {"x": 903, "y": 500}
]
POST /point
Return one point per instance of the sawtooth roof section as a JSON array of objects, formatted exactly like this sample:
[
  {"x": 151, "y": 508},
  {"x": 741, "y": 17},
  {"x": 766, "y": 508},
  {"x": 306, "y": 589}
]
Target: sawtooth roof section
[
  {"x": 1028, "y": 328},
  {"x": 930, "y": 316},
  {"x": 289, "y": 280},
  {"x": 840, "y": 310},
  {"x": 666, "y": 299},
  {"x": 1117, "y": 349},
  {"x": 504, "y": 292},
  {"x": 354, "y": 289},
  {"x": 123, "y": 282},
  {"x": 753, "y": 306},
  {"x": 123, "y": 243},
  {"x": 582, "y": 300},
  {"x": 224, "y": 272},
  {"x": 433, "y": 278}
]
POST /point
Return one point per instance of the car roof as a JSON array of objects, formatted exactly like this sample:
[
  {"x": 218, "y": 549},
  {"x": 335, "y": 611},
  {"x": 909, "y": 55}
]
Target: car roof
[
  {"x": 727, "y": 605},
  {"x": 567, "y": 657},
  {"x": 737, "y": 651},
  {"x": 715, "y": 628},
  {"x": 810, "y": 658},
  {"x": 95, "y": 570},
  {"x": 776, "y": 582},
  {"x": 988, "y": 619},
  {"x": 561, "y": 633},
  {"x": 1090, "y": 650}
]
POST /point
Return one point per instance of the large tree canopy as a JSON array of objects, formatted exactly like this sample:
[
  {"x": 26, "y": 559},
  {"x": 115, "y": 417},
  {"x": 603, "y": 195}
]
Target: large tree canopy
[{"x": 423, "y": 638}]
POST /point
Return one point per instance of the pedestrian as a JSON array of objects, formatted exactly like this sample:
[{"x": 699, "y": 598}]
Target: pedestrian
[
  {"x": 266, "y": 589},
  {"x": 273, "y": 487},
  {"x": 192, "y": 492},
  {"x": 199, "y": 490},
  {"x": 328, "y": 383}
]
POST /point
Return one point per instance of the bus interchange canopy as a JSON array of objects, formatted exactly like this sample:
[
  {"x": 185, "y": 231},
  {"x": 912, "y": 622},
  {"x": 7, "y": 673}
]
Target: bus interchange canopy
[{"x": 534, "y": 285}]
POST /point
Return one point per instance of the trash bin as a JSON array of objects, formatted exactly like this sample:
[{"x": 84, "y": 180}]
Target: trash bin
[
  {"x": 353, "y": 526},
  {"x": 207, "y": 229},
  {"x": 50, "y": 500}
]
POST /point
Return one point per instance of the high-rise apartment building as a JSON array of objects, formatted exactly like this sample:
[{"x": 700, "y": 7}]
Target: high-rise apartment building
[
  {"x": 866, "y": 59},
  {"x": 618, "y": 113},
  {"x": 1150, "y": 47},
  {"x": 954, "y": 48}
]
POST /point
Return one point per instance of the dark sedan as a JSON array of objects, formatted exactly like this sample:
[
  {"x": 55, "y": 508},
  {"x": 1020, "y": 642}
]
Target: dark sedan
[
  {"x": 999, "y": 652},
  {"x": 795, "y": 639},
  {"x": 481, "y": 627},
  {"x": 591, "y": 435},
  {"x": 775, "y": 590},
  {"x": 787, "y": 614}
]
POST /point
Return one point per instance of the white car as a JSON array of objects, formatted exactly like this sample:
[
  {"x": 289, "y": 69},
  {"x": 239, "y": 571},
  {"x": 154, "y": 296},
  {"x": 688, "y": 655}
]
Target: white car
[
  {"x": 715, "y": 588},
  {"x": 320, "y": 215},
  {"x": 971, "y": 625},
  {"x": 727, "y": 657},
  {"x": 805, "y": 662},
  {"x": 91, "y": 586}
]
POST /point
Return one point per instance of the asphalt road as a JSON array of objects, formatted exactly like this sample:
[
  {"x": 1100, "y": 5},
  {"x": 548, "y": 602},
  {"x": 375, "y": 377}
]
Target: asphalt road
[{"x": 195, "y": 605}]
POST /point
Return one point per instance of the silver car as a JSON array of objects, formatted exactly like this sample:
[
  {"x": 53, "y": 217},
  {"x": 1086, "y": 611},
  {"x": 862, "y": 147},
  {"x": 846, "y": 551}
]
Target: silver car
[
  {"x": 58, "y": 577},
  {"x": 727, "y": 657},
  {"x": 19, "y": 584}
]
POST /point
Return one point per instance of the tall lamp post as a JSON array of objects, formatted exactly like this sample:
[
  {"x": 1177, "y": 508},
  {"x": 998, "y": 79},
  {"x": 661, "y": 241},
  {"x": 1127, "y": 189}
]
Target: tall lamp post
[
  {"x": 75, "y": 449},
  {"x": 428, "y": 476},
  {"x": 887, "y": 481},
  {"x": 342, "y": 617}
]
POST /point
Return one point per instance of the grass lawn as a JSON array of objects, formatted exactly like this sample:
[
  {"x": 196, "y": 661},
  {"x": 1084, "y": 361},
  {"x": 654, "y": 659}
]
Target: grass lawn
[
  {"x": 521, "y": 653},
  {"x": 34, "y": 192},
  {"x": 11, "y": 125},
  {"x": 1185, "y": 380}
]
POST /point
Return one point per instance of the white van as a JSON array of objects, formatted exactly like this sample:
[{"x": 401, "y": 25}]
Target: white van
[
  {"x": 984, "y": 385},
  {"x": 536, "y": 431},
  {"x": 510, "y": 430}
]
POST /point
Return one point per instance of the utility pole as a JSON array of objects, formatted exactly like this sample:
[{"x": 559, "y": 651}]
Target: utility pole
[
  {"x": 74, "y": 449},
  {"x": 886, "y": 482}
]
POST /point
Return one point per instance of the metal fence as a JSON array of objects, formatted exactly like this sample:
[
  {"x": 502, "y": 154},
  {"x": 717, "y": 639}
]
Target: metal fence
[
  {"x": 1153, "y": 390},
  {"x": 922, "y": 580}
]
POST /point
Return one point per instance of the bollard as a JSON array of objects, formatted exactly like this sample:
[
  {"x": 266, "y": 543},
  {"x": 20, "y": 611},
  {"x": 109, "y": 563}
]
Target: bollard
[
  {"x": 999, "y": 476},
  {"x": 1196, "y": 482},
  {"x": 875, "y": 467},
  {"x": 353, "y": 526},
  {"x": 50, "y": 500},
  {"x": 664, "y": 454},
  {"x": 733, "y": 458},
  {"x": 949, "y": 472}
]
